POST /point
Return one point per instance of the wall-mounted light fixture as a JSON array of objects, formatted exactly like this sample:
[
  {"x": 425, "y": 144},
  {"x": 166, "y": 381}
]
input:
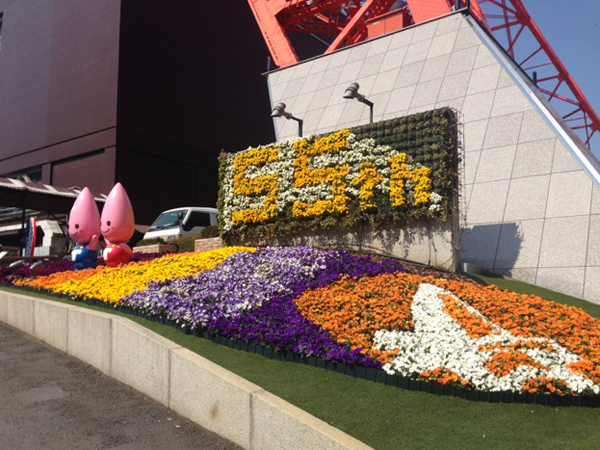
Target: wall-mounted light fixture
[
  {"x": 352, "y": 92},
  {"x": 279, "y": 111}
]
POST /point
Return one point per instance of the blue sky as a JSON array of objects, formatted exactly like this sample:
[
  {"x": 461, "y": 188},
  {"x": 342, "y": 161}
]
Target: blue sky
[{"x": 572, "y": 28}]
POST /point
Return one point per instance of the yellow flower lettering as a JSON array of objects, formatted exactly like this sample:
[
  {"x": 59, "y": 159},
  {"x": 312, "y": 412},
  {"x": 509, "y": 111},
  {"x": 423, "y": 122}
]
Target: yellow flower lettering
[
  {"x": 400, "y": 173},
  {"x": 367, "y": 180},
  {"x": 251, "y": 187},
  {"x": 304, "y": 176}
]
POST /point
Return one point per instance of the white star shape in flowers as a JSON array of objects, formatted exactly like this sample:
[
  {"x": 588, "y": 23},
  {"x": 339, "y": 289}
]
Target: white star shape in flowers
[{"x": 439, "y": 341}]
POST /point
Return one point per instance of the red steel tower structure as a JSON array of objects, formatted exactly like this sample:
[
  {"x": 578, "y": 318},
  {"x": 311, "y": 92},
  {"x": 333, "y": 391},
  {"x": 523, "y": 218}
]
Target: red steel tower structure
[{"x": 342, "y": 23}]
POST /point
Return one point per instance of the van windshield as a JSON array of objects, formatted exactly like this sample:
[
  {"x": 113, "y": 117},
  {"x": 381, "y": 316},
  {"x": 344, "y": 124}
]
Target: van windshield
[{"x": 168, "y": 220}]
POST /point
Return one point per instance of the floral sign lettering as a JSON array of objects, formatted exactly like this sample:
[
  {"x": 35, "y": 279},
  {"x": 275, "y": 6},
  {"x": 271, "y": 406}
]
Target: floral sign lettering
[{"x": 335, "y": 180}]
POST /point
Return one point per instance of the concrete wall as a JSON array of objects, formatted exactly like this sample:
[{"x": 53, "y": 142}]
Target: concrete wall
[
  {"x": 155, "y": 248},
  {"x": 189, "y": 384},
  {"x": 92, "y": 94},
  {"x": 58, "y": 90},
  {"x": 206, "y": 244},
  {"x": 425, "y": 241},
  {"x": 530, "y": 208}
]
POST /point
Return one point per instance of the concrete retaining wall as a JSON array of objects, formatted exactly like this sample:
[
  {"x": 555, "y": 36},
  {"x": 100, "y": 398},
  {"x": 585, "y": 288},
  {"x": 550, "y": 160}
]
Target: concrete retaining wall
[
  {"x": 155, "y": 248},
  {"x": 189, "y": 384},
  {"x": 204, "y": 245},
  {"x": 423, "y": 241}
]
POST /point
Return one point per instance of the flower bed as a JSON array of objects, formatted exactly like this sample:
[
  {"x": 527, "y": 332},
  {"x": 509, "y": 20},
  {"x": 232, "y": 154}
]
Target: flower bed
[
  {"x": 23, "y": 275},
  {"x": 430, "y": 329},
  {"x": 51, "y": 266},
  {"x": 358, "y": 312},
  {"x": 250, "y": 297},
  {"x": 110, "y": 284}
]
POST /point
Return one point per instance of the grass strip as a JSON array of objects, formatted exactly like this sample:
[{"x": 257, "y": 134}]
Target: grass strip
[
  {"x": 391, "y": 418},
  {"x": 517, "y": 286}
]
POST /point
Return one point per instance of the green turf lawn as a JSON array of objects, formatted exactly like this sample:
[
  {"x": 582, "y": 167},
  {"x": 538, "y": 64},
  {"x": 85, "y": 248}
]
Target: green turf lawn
[
  {"x": 391, "y": 418},
  {"x": 517, "y": 286}
]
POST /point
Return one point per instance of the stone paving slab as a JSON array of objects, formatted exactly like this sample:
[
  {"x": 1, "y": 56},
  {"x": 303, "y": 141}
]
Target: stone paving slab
[{"x": 52, "y": 401}]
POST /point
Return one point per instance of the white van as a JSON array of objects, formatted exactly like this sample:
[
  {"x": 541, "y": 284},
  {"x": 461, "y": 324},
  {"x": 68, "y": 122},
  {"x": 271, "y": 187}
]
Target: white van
[{"x": 181, "y": 222}]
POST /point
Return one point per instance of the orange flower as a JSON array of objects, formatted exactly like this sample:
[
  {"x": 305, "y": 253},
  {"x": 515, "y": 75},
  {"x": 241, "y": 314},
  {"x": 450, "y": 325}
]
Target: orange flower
[
  {"x": 444, "y": 376},
  {"x": 531, "y": 316},
  {"x": 49, "y": 281},
  {"x": 352, "y": 310}
]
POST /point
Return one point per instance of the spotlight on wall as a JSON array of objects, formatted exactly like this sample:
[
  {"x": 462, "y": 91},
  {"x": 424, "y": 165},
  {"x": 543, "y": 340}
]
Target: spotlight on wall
[
  {"x": 352, "y": 92},
  {"x": 279, "y": 111}
]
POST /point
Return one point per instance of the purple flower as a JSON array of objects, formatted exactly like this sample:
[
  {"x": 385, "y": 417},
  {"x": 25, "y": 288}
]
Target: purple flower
[
  {"x": 5, "y": 277},
  {"x": 250, "y": 297},
  {"x": 50, "y": 266}
]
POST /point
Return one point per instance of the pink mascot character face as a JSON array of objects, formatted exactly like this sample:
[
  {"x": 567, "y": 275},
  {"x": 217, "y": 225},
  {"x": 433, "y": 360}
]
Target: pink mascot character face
[
  {"x": 117, "y": 225},
  {"x": 84, "y": 220}
]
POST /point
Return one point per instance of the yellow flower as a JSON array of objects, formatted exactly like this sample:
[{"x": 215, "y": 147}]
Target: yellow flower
[
  {"x": 336, "y": 175},
  {"x": 420, "y": 177},
  {"x": 242, "y": 185},
  {"x": 367, "y": 180},
  {"x": 113, "y": 283}
]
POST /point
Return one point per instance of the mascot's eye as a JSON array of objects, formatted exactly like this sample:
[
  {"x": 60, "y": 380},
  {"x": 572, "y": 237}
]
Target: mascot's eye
[
  {"x": 76, "y": 226},
  {"x": 108, "y": 223}
]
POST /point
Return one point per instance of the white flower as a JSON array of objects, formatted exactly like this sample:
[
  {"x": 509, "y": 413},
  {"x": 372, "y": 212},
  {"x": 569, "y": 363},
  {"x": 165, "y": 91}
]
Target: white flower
[
  {"x": 438, "y": 340},
  {"x": 435, "y": 198},
  {"x": 356, "y": 153}
]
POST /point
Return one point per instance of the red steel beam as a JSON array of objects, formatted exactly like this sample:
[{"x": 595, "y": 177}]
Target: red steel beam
[
  {"x": 349, "y": 29},
  {"x": 347, "y": 22},
  {"x": 277, "y": 41},
  {"x": 356, "y": 29},
  {"x": 424, "y": 10},
  {"x": 304, "y": 9},
  {"x": 515, "y": 14}
]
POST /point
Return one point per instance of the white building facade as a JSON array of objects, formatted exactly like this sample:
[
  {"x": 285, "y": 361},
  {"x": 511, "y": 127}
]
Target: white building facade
[{"x": 529, "y": 189}]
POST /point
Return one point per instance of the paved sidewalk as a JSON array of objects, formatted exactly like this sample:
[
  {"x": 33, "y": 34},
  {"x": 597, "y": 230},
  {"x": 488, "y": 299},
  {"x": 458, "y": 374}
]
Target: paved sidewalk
[{"x": 49, "y": 400}]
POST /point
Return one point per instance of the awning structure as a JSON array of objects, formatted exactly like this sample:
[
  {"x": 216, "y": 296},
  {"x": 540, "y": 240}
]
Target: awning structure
[
  {"x": 26, "y": 196},
  {"x": 39, "y": 197}
]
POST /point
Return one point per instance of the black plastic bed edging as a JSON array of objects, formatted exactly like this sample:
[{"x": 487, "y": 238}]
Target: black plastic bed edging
[{"x": 367, "y": 373}]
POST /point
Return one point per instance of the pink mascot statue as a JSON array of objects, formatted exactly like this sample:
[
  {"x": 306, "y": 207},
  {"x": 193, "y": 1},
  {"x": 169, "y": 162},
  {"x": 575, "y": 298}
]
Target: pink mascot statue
[
  {"x": 117, "y": 225},
  {"x": 84, "y": 229}
]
